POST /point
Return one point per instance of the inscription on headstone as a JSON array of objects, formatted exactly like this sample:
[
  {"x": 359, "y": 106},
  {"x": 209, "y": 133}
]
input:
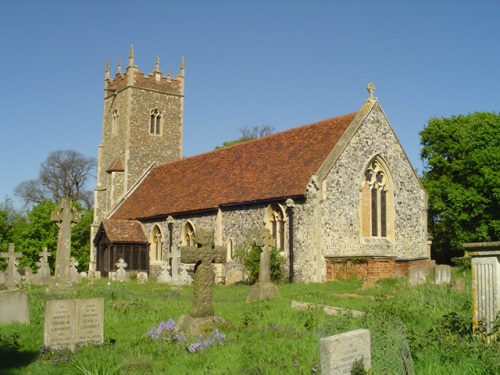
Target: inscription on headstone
[
  {"x": 73, "y": 321},
  {"x": 338, "y": 353}
]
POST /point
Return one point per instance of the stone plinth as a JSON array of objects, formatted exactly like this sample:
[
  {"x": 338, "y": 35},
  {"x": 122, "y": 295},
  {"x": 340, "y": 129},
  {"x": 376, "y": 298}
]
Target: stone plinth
[
  {"x": 485, "y": 281},
  {"x": 14, "y": 307},
  {"x": 338, "y": 353}
]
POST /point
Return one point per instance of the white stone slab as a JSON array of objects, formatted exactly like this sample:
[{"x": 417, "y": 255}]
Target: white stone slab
[{"x": 338, "y": 353}]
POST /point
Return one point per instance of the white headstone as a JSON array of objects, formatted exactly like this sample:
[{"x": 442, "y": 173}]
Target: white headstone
[
  {"x": 417, "y": 276},
  {"x": 142, "y": 277},
  {"x": 442, "y": 274},
  {"x": 338, "y": 353},
  {"x": 164, "y": 276}
]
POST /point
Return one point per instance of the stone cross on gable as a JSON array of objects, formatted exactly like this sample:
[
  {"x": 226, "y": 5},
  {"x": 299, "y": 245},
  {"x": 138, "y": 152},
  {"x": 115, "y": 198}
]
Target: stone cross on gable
[
  {"x": 265, "y": 241},
  {"x": 371, "y": 89},
  {"x": 203, "y": 255},
  {"x": 65, "y": 217},
  {"x": 11, "y": 265}
]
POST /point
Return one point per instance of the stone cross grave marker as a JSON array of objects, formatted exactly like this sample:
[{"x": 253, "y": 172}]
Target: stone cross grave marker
[
  {"x": 121, "y": 274},
  {"x": 164, "y": 276},
  {"x": 338, "y": 353},
  {"x": 74, "y": 276},
  {"x": 264, "y": 289},
  {"x": 43, "y": 274},
  {"x": 73, "y": 321},
  {"x": 11, "y": 266},
  {"x": 65, "y": 217},
  {"x": 203, "y": 255}
]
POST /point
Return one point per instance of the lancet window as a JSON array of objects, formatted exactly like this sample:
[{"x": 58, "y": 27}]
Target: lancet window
[
  {"x": 155, "y": 122},
  {"x": 377, "y": 200},
  {"x": 156, "y": 249},
  {"x": 275, "y": 222},
  {"x": 188, "y": 235}
]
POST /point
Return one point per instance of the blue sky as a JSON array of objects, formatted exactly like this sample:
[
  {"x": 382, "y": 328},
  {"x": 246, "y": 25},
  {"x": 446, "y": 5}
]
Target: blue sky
[{"x": 278, "y": 63}]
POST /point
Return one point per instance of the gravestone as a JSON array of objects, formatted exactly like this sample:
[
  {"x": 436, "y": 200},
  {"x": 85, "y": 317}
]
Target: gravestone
[
  {"x": 442, "y": 274},
  {"x": 175, "y": 264},
  {"x": 10, "y": 282},
  {"x": 184, "y": 278},
  {"x": 417, "y": 276},
  {"x": 234, "y": 273},
  {"x": 264, "y": 289},
  {"x": 485, "y": 282},
  {"x": 27, "y": 276},
  {"x": 164, "y": 276},
  {"x": 120, "y": 274},
  {"x": 71, "y": 322},
  {"x": 43, "y": 274},
  {"x": 338, "y": 353},
  {"x": 142, "y": 277},
  {"x": 65, "y": 217},
  {"x": 202, "y": 255},
  {"x": 14, "y": 307},
  {"x": 74, "y": 276}
]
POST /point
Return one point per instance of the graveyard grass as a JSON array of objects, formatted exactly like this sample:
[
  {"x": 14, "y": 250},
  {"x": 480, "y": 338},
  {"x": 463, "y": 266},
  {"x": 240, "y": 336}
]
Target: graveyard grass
[{"x": 265, "y": 337}]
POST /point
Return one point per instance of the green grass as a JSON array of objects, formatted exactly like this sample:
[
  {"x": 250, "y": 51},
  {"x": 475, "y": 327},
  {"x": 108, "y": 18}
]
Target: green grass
[{"x": 265, "y": 338}]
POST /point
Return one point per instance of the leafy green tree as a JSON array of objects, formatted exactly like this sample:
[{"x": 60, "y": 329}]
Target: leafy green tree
[
  {"x": 36, "y": 231},
  {"x": 461, "y": 158},
  {"x": 248, "y": 255}
]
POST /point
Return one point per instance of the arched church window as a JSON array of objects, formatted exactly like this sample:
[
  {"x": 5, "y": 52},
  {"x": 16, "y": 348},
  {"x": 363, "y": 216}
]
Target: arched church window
[
  {"x": 275, "y": 222},
  {"x": 377, "y": 200},
  {"x": 156, "y": 249},
  {"x": 155, "y": 122},
  {"x": 188, "y": 235},
  {"x": 114, "y": 123}
]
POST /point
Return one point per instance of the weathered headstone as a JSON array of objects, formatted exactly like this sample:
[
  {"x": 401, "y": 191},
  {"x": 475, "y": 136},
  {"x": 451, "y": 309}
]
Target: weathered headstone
[
  {"x": 142, "y": 277},
  {"x": 264, "y": 289},
  {"x": 14, "y": 306},
  {"x": 11, "y": 256},
  {"x": 164, "y": 276},
  {"x": 27, "y": 276},
  {"x": 202, "y": 255},
  {"x": 43, "y": 274},
  {"x": 485, "y": 282},
  {"x": 442, "y": 274},
  {"x": 417, "y": 276},
  {"x": 338, "y": 353},
  {"x": 65, "y": 217},
  {"x": 183, "y": 277},
  {"x": 73, "y": 321},
  {"x": 234, "y": 273},
  {"x": 74, "y": 276},
  {"x": 120, "y": 274}
]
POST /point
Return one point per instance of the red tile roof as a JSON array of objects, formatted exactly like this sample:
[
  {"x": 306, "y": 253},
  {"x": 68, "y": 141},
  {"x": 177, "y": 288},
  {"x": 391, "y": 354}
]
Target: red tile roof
[
  {"x": 276, "y": 166},
  {"x": 124, "y": 231}
]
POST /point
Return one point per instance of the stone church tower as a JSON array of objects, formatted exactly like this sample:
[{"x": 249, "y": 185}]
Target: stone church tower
[{"x": 142, "y": 127}]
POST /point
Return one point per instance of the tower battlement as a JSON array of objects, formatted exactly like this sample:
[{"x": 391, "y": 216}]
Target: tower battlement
[{"x": 152, "y": 81}]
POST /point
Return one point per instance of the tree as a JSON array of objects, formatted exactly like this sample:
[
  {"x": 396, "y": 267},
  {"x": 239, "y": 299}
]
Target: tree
[
  {"x": 461, "y": 158},
  {"x": 35, "y": 231},
  {"x": 65, "y": 173},
  {"x": 247, "y": 134}
]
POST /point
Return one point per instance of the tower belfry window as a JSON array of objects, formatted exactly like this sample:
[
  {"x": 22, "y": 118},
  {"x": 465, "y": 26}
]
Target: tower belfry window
[{"x": 155, "y": 122}]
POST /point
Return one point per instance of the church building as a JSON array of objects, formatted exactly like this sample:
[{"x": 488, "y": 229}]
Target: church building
[{"x": 339, "y": 196}]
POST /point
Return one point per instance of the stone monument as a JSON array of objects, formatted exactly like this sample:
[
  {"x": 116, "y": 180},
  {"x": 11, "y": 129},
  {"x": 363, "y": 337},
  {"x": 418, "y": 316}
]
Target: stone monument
[
  {"x": 65, "y": 217},
  {"x": 338, "y": 353},
  {"x": 120, "y": 274},
  {"x": 203, "y": 254},
  {"x": 43, "y": 274},
  {"x": 264, "y": 289},
  {"x": 164, "y": 276},
  {"x": 485, "y": 282},
  {"x": 10, "y": 282}
]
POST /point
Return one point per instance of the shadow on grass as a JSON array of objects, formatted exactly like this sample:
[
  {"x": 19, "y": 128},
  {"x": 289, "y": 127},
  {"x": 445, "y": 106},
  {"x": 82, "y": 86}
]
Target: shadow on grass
[{"x": 11, "y": 359}]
